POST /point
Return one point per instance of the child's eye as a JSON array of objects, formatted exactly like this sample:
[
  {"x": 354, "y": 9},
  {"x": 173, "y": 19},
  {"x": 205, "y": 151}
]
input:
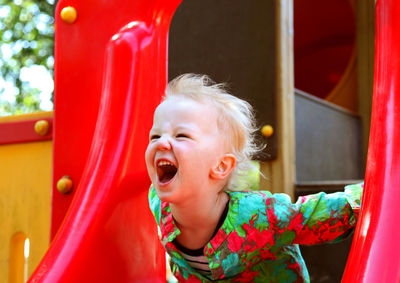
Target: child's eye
[
  {"x": 154, "y": 137},
  {"x": 182, "y": 136}
]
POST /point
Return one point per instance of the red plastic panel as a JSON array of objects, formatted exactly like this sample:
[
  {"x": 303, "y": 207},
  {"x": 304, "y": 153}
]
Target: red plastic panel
[
  {"x": 79, "y": 70},
  {"x": 108, "y": 234},
  {"x": 375, "y": 253},
  {"x": 325, "y": 33},
  {"x": 23, "y": 131}
]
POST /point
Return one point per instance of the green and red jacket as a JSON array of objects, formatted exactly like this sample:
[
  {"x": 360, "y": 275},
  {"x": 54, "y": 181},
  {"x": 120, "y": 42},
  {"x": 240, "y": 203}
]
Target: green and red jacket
[{"x": 258, "y": 241}]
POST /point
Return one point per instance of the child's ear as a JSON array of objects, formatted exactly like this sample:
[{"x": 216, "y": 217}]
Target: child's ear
[{"x": 224, "y": 167}]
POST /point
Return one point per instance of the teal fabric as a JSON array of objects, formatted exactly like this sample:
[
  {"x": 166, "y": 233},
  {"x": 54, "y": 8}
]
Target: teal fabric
[{"x": 258, "y": 241}]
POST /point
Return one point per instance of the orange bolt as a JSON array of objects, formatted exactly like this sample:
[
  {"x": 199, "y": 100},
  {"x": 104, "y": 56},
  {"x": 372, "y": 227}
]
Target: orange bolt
[
  {"x": 69, "y": 14},
  {"x": 267, "y": 131},
  {"x": 64, "y": 185},
  {"x": 42, "y": 127}
]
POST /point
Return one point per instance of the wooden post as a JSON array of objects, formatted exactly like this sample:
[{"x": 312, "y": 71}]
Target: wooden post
[
  {"x": 365, "y": 64},
  {"x": 280, "y": 174}
]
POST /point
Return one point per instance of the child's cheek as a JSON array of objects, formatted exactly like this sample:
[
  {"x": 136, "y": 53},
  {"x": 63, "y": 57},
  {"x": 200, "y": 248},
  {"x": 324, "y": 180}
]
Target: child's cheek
[{"x": 149, "y": 157}]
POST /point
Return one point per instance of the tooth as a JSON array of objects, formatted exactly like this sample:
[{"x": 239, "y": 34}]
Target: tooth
[{"x": 164, "y": 163}]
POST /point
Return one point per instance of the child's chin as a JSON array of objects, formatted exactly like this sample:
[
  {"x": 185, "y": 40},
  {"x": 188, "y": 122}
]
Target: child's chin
[
  {"x": 164, "y": 193},
  {"x": 166, "y": 198}
]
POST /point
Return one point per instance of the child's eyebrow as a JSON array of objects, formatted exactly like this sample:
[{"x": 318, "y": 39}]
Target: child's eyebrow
[
  {"x": 187, "y": 128},
  {"x": 184, "y": 128}
]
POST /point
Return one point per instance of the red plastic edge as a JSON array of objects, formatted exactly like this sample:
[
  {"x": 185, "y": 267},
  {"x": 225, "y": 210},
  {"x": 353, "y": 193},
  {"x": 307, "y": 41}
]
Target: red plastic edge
[{"x": 23, "y": 131}]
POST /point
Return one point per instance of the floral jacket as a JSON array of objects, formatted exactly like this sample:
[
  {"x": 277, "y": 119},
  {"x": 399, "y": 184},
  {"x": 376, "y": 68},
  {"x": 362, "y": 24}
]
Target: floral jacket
[{"x": 258, "y": 240}]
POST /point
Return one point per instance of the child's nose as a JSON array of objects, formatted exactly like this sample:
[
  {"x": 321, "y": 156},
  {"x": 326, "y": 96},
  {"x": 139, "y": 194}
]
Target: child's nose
[{"x": 163, "y": 143}]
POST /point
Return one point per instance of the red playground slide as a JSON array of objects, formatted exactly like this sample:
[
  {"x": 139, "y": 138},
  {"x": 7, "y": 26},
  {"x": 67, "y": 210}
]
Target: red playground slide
[
  {"x": 375, "y": 253},
  {"x": 108, "y": 234}
]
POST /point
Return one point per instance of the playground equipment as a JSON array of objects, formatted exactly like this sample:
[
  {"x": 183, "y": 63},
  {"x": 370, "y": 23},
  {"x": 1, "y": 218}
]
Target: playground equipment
[
  {"x": 25, "y": 202},
  {"x": 325, "y": 50},
  {"x": 108, "y": 234},
  {"x": 374, "y": 256}
]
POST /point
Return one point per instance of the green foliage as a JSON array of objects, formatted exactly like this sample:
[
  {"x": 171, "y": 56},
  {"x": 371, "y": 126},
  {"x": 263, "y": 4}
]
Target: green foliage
[{"x": 26, "y": 40}]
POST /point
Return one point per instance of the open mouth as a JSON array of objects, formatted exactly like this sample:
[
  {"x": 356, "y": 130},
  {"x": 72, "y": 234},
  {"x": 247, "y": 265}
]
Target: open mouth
[{"x": 166, "y": 171}]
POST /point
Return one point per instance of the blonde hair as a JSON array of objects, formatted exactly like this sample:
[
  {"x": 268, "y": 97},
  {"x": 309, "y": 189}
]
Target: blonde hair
[{"x": 235, "y": 117}]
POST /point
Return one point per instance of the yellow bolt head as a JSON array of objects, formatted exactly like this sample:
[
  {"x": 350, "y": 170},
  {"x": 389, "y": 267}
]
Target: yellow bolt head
[
  {"x": 64, "y": 185},
  {"x": 69, "y": 14},
  {"x": 42, "y": 127},
  {"x": 267, "y": 131}
]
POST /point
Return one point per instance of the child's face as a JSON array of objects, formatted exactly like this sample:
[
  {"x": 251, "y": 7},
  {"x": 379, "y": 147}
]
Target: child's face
[{"x": 185, "y": 144}]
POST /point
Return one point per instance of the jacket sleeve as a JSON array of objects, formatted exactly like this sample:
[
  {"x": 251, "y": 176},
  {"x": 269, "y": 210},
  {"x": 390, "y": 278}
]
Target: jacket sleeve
[{"x": 314, "y": 219}]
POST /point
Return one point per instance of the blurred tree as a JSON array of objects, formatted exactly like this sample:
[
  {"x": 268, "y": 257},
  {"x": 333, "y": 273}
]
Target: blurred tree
[{"x": 26, "y": 42}]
